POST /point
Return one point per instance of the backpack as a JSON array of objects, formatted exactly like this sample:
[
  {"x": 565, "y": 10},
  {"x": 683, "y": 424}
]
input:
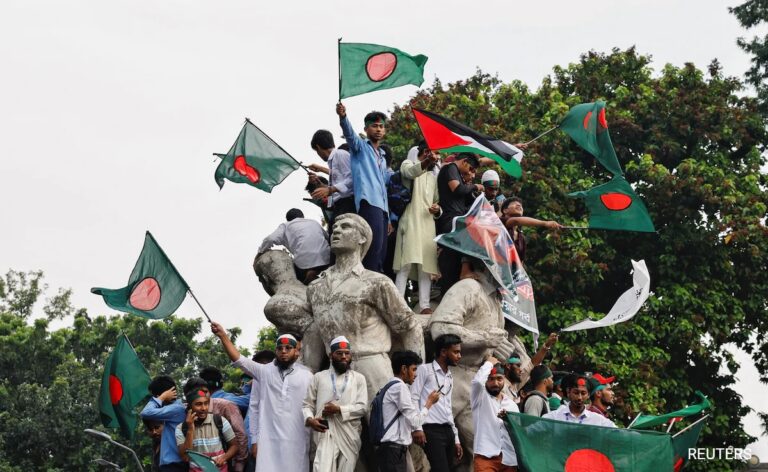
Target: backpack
[
  {"x": 536, "y": 393},
  {"x": 219, "y": 426},
  {"x": 376, "y": 428},
  {"x": 398, "y": 195}
]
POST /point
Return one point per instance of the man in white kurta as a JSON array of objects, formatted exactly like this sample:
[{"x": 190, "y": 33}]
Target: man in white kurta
[
  {"x": 283, "y": 438},
  {"x": 339, "y": 396},
  {"x": 415, "y": 249}
]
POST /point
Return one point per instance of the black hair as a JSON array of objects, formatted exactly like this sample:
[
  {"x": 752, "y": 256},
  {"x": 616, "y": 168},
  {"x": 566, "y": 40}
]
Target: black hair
[
  {"x": 536, "y": 373},
  {"x": 149, "y": 422},
  {"x": 374, "y": 116},
  {"x": 213, "y": 376},
  {"x": 312, "y": 186},
  {"x": 322, "y": 139},
  {"x": 571, "y": 380},
  {"x": 387, "y": 153},
  {"x": 404, "y": 358},
  {"x": 344, "y": 147},
  {"x": 445, "y": 341},
  {"x": 294, "y": 213},
  {"x": 470, "y": 158},
  {"x": 510, "y": 201},
  {"x": 160, "y": 384},
  {"x": 422, "y": 146},
  {"x": 264, "y": 355},
  {"x": 194, "y": 383}
]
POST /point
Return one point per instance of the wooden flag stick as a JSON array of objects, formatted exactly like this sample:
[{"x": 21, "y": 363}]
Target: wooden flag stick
[
  {"x": 633, "y": 421},
  {"x": 198, "y": 304},
  {"x": 575, "y": 227},
  {"x": 541, "y": 135},
  {"x": 338, "y": 48}
]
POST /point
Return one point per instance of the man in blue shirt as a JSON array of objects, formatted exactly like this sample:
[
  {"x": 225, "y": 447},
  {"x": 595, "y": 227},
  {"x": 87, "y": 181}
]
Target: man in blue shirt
[
  {"x": 163, "y": 406},
  {"x": 215, "y": 380},
  {"x": 369, "y": 174}
]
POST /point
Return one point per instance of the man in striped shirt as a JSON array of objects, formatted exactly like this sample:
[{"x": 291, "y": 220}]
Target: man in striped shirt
[{"x": 202, "y": 433}]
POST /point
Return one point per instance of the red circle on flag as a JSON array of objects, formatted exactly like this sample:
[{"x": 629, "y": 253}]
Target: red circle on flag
[
  {"x": 586, "y": 120},
  {"x": 380, "y": 66},
  {"x": 588, "y": 460},
  {"x": 616, "y": 201},
  {"x": 247, "y": 171},
  {"x": 601, "y": 119},
  {"x": 115, "y": 389},
  {"x": 145, "y": 295}
]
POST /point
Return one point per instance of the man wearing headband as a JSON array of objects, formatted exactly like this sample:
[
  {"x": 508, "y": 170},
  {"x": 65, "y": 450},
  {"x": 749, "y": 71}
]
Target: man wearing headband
[
  {"x": 537, "y": 401},
  {"x": 519, "y": 367},
  {"x": 492, "y": 445},
  {"x": 369, "y": 175},
  {"x": 336, "y": 402},
  {"x": 282, "y": 387},
  {"x": 200, "y": 433},
  {"x": 576, "y": 389},
  {"x": 600, "y": 394}
]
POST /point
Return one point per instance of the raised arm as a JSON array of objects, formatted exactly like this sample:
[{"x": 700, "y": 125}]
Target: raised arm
[
  {"x": 254, "y": 369},
  {"x": 354, "y": 141}
]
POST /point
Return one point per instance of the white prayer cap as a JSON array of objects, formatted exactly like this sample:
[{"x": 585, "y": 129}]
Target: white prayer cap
[
  {"x": 340, "y": 342},
  {"x": 490, "y": 176}
]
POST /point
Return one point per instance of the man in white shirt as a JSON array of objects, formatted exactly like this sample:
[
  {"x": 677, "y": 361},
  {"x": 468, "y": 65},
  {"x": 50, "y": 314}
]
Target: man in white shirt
[
  {"x": 492, "y": 446},
  {"x": 306, "y": 240},
  {"x": 575, "y": 388},
  {"x": 399, "y": 410},
  {"x": 283, "y": 438},
  {"x": 438, "y": 435},
  {"x": 336, "y": 401},
  {"x": 340, "y": 190}
]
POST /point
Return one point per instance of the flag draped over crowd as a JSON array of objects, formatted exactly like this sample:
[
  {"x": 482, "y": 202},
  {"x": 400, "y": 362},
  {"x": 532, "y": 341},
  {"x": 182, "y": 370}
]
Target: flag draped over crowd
[
  {"x": 255, "y": 159},
  {"x": 366, "y": 68},
  {"x": 443, "y": 134},
  {"x": 628, "y": 304},
  {"x": 123, "y": 386},
  {"x": 481, "y": 234},
  {"x": 155, "y": 288},
  {"x": 543, "y": 444}
]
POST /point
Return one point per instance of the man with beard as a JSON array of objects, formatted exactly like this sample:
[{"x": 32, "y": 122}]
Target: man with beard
[
  {"x": 438, "y": 435},
  {"x": 282, "y": 387},
  {"x": 492, "y": 445},
  {"x": 518, "y": 372},
  {"x": 600, "y": 394},
  {"x": 335, "y": 404},
  {"x": 537, "y": 401},
  {"x": 575, "y": 388}
]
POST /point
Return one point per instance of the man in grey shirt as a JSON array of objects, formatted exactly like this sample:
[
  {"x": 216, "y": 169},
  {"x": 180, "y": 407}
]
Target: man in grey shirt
[{"x": 537, "y": 401}]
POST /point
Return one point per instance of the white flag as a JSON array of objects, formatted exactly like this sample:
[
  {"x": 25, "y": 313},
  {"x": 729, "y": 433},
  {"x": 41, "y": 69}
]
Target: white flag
[{"x": 628, "y": 304}]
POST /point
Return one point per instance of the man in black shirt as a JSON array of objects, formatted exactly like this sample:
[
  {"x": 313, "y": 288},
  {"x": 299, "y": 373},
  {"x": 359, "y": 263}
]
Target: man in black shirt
[{"x": 455, "y": 200}]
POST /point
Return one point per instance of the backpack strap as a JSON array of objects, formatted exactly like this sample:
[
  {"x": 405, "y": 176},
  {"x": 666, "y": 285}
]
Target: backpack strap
[{"x": 397, "y": 415}]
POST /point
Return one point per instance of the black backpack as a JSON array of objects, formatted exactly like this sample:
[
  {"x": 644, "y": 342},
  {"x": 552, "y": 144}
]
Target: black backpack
[
  {"x": 219, "y": 426},
  {"x": 376, "y": 428},
  {"x": 398, "y": 195},
  {"x": 536, "y": 393}
]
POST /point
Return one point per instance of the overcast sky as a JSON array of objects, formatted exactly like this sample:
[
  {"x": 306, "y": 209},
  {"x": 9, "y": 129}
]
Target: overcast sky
[{"x": 110, "y": 110}]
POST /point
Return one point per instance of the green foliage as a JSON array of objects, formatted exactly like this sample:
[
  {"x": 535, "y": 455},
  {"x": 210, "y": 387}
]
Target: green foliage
[
  {"x": 691, "y": 147},
  {"x": 49, "y": 380},
  {"x": 750, "y": 14}
]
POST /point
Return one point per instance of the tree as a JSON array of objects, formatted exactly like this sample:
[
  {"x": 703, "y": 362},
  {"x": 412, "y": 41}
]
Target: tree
[
  {"x": 750, "y": 14},
  {"x": 691, "y": 147}
]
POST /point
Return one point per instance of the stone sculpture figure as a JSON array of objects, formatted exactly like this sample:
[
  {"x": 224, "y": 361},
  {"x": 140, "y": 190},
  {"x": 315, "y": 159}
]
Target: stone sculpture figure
[
  {"x": 471, "y": 309},
  {"x": 362, "y": 305},
  {"x": 287, "y": 308}
]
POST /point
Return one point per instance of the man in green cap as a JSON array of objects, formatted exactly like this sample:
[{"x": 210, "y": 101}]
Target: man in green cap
[
  {"x": 556, "y": 398},
  {"x": 537, "y": 401},
  {"x": 600, "y": 394},
  {"x": 518, "y": 372}
]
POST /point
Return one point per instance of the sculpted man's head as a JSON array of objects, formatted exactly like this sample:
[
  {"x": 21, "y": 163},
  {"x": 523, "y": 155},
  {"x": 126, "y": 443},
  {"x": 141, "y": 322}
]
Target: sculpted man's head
[
  {"x": 274, "y": 268},
  {"x": 351, "y": 234}
]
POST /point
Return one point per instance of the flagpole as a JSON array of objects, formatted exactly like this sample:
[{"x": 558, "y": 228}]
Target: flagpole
[
  {"x": 338, "y": 56},
  {"x": 671, "y": 424},
  {"x": 279, "y": 146},
  {"x": 575, "y": 227},
  {"x": 541, "y": 135},
  {"x": 691, "y": 425},
  {"x": 198, "y": 304},
  {"x": 636, "y": 418}
]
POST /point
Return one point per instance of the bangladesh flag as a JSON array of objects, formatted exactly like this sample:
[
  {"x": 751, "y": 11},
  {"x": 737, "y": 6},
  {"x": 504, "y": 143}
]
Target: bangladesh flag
[
  {"x": 481, "y": 234},
  {"x": 587, "y": 125},
  {"x": 686, "y": 440},
  {"x": 614, "y": 205},
  {"x": 255, "y": 159},
  {"x": 366, "y": 68},
  {"x": 649, "y": 421},
  {"x": 123, "y": 386},
  {"x": 202, "y": 461},
  {"x": 546, "y": 445},
  {"x": 443, "y": 134},
  {"x": 155, "y": 289}
]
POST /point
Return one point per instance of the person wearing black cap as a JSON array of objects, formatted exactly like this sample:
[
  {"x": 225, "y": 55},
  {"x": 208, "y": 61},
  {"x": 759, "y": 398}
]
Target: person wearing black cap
[{"x": 537, "y": 401}]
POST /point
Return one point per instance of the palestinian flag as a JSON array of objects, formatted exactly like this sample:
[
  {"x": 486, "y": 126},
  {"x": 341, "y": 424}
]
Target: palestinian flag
[
  {"x": 155, "y": 289},
  {"x": 481, "y": 234},
  {"x": 123, "y": 386},
  {"x": 685, "y": 440},
  {"x": 587, "y": 125},
  {"x": 202, "y": 462},
  {"x": 546, "y": 445},
  {"x": 649, "y": 421},
  {"x": 443, "y": 134},
  {"x": 366, "y": 68},
  {"x": 255, "y": 160},
  {"x": 614, "y": 205}
]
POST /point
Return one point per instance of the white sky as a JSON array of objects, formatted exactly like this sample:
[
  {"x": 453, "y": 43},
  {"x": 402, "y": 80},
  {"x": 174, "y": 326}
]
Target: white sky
[{"x": 110, "y": 110}]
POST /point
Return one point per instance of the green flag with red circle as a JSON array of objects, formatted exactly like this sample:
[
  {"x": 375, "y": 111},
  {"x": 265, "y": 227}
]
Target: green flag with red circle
[
  {"x": 123, "y": 386},
  {"x": 366, "y": 68},
  {"x": 587, "y": 125},
  {"x": 155, "y": 288},
  {"x": 614, "y": 205},
  {"x": 255, "y": 159},
  {"x": 543, "y": 444}
]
